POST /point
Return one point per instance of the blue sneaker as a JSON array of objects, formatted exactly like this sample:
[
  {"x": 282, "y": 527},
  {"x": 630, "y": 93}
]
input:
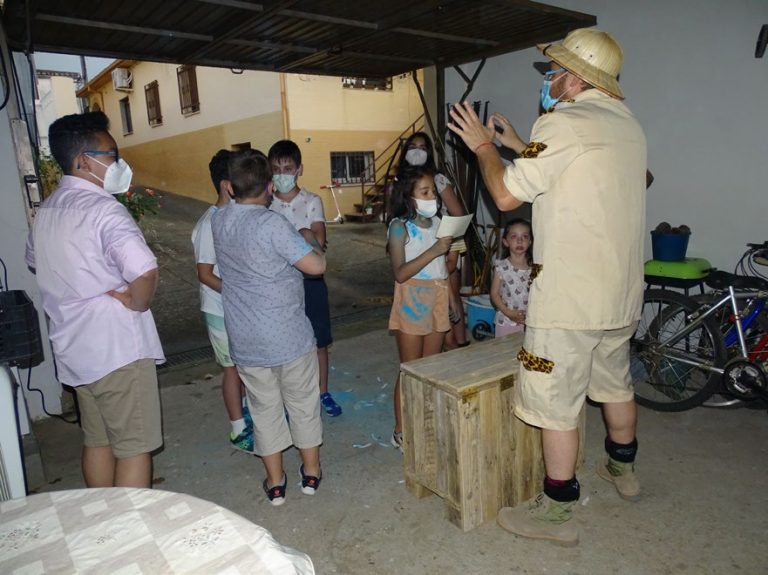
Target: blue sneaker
[
  {"x": 244, "y": 441},
  {"x": 247, "y": 417},
  {"x": 332, "y": 408}
]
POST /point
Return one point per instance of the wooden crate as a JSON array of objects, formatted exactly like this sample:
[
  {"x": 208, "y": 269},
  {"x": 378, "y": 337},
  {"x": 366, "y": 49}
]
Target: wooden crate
[{"x": 462, "y": 440}]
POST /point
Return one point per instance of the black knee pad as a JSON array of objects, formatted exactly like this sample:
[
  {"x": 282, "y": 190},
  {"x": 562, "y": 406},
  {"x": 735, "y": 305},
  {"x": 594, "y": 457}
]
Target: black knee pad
[
  {"x": 622, "y": 452},
  {"x": 562, "y": 491}
]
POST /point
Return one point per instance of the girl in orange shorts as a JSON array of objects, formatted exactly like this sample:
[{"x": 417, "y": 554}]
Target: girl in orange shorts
[{"x": 419, "y": 315}]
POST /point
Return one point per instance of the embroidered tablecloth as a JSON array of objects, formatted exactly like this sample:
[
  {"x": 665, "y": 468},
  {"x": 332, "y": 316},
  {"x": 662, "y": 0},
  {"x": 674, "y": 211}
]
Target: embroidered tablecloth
[{"x": 124, "y": 531}]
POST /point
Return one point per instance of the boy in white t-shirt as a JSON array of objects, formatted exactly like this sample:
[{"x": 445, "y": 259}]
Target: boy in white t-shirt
[
  {"x": 241, "y": 436},
  {"x": 305, "y": 210}
]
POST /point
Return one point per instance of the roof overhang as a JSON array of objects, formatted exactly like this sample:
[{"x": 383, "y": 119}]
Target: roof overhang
[{"x": 371, "y": 38}]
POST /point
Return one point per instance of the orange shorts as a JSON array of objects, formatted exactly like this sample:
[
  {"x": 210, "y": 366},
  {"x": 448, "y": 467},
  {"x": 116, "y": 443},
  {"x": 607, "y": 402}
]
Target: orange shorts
[{"x": 420, "y": 307}]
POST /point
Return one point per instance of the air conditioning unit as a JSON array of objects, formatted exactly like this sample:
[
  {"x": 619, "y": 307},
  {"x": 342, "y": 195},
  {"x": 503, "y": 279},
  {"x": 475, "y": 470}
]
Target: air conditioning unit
[{"x": 122, "y": 79}]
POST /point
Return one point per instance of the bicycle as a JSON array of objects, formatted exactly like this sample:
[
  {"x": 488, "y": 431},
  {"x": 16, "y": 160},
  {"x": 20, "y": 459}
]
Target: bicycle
[{"x": 687, "y": 349}]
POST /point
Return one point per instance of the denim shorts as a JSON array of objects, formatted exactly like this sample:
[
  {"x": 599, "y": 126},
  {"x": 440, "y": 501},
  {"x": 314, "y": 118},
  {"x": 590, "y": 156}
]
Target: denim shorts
[{"x": 317, "y": 310}]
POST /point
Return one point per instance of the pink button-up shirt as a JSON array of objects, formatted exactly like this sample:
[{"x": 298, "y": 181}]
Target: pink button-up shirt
[{"x": 83, "y": 244}]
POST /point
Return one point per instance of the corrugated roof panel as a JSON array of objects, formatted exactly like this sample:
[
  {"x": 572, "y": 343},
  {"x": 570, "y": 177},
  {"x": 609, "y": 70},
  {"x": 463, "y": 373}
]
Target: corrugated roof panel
[{"x": 337, "y": 37}]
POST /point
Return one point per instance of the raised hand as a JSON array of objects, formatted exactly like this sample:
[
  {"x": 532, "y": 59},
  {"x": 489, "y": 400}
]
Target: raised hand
[
  {"x": 468, "y": 126},
  {"x": 508, "y": 136}
]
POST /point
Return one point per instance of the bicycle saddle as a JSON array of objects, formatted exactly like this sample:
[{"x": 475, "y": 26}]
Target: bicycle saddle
[{"x": 720, "y": 280}]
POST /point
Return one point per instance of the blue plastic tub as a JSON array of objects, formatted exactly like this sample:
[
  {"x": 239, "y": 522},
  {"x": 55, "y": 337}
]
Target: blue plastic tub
[
  {"x": 480, "y": 316},
  {"x": 669, "y": 247}
]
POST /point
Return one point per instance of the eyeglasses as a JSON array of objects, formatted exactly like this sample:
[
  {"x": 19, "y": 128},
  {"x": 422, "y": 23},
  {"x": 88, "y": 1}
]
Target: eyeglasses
[
  {"x": 110, "y": 153},
  {"x": 550, "y": 74}
]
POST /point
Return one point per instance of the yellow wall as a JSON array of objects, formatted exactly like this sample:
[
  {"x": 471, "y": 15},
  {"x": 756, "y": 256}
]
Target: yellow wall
[
  {"x": 224, "y": 98},
  {"x": 179, "y": 164},
  {"x": 321, "y": 103},
  {"x": 316, "y": 157},
  {"x": 322, "y": 117}
]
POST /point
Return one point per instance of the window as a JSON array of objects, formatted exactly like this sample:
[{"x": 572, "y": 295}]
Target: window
[
  {"x": 125, "y": 115},
  {"x": 152, "y": 93},
  {"x": 359, "y": 83},
  {"x": 188, "y": 98},
  {"x": 352, "y": 167}
]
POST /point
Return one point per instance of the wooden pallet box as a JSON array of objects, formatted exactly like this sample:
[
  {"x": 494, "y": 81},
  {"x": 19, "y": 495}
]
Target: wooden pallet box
[{"x": 462, "y": 439}]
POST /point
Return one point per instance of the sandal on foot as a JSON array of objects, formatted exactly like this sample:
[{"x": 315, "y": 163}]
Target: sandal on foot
[{"x": 397, "y": 440}]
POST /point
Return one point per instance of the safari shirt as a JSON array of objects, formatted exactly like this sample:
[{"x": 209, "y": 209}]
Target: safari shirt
[{"x": 584, "y": 173}]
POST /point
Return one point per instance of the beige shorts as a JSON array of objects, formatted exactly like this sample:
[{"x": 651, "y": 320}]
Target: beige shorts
[
  {"x": 560, "y": 367},
  {"x": 420, "y": 307},
  {"x": 217, "y": 334},
  {"x": 271, "y": 392},
  {"x": 122, "y": 409}
]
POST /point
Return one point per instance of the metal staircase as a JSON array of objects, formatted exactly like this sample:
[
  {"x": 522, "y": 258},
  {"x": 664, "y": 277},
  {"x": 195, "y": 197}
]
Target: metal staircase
[{"x": 374, "y": 196}]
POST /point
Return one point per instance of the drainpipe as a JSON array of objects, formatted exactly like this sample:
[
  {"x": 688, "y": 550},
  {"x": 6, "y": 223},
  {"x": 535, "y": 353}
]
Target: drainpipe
[{"x": 284, "y": 109}]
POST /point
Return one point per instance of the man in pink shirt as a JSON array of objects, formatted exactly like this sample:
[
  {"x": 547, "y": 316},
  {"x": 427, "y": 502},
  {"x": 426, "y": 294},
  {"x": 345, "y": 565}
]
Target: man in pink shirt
[{"x": 97, "y": 278}]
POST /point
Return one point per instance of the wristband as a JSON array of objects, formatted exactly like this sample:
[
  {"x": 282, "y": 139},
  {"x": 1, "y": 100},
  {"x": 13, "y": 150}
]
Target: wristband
[{"x": 482, "y": 145}]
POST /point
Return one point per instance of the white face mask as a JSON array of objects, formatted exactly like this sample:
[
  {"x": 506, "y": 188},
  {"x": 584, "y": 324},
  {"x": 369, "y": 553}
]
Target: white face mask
[
  {"x": 416, "y": 157},
  {"x": 117, "y": 180},
  {"x": 426, "y": 208},
  {"x": 284, "y": 183}
]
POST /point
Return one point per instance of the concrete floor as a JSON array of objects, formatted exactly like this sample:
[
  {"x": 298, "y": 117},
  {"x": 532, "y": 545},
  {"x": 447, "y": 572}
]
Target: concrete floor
[{"x": 704, "y": 510}]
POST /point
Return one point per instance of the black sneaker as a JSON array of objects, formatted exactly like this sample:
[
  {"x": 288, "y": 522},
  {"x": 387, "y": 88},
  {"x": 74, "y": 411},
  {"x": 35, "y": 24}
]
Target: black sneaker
[
  {"x": 309, "y": 483},
  {"x": 276, "y": 494}
]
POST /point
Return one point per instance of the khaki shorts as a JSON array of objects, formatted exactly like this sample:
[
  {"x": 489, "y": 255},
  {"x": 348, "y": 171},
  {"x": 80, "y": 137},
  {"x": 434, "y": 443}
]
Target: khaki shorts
[
  {"x": 560, "y": 367},
  {"x": 122, "y": 409},
  {"x": 271, "y": 391},
  {"x": 420, "y": 307},
  {"x": 217, "y": 334}
]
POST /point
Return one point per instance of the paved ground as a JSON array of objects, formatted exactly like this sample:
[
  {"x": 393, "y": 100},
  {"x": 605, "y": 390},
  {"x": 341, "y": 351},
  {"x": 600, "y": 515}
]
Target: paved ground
[
  {"x": 359, "y": 282},
  {"x": 705, "y": 509}
]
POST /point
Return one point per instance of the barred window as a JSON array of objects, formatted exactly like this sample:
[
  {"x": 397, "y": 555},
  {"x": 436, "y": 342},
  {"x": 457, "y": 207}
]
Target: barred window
[
  {"x": 125, "y": 116},
  {"x": 356, "y": 82},
  {"x": 188, "y": 97},
  {"x": 152, "y": 94},
  {"x": 352, "y": 167}
]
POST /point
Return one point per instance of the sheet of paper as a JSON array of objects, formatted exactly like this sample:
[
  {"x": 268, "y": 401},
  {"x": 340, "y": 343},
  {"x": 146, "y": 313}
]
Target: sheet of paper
[
  {"x": 458, "y": 246},
  {"x": 453, "y": 226}
]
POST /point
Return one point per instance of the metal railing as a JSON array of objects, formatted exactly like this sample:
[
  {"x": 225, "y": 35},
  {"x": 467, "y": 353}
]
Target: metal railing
[{"x": 390, "y": 155}]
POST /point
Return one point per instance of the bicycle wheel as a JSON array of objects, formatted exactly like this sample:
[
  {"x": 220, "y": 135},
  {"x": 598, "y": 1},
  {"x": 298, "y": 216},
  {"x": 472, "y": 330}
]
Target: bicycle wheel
[
  {"x": 755, "y": 338},
  {"x": 664, "y": 377}
]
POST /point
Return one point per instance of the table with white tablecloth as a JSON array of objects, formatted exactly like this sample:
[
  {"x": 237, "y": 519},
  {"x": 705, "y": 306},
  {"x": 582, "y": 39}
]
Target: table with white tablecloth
[{"x": 124, "y": 531}]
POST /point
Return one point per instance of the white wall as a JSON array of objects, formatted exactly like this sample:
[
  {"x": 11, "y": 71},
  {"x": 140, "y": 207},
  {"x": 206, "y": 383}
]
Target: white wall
[
  {"x": 56, "y": 99},
  {"x": 691, "y": 78},
  {"x": 13, "y": 235},
  {"x": 253, "y": 94}
]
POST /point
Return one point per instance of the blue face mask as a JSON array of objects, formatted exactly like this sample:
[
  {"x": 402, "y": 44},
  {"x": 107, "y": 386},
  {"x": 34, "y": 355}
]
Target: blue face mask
[
  {"x": 284, "y": 183},
  {"x": 548, "y": 101}
]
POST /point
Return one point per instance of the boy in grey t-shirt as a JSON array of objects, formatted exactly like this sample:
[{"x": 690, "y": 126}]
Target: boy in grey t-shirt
[{"x": 261, "y": 260}]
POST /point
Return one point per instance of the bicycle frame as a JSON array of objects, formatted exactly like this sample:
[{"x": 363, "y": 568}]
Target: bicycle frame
[{"x": 740, "y": 324}]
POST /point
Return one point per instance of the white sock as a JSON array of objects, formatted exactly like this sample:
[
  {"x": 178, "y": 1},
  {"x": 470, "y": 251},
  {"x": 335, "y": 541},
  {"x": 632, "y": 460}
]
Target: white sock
[{"x": 238, "y": 426}]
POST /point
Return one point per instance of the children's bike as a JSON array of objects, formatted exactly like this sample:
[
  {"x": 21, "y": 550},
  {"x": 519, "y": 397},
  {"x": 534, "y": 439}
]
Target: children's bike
[{"x": 711, "y": 348}]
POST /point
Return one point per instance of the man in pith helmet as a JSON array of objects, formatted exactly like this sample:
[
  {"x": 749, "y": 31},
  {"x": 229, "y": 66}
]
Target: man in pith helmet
[{"x": 584, "y": 171}]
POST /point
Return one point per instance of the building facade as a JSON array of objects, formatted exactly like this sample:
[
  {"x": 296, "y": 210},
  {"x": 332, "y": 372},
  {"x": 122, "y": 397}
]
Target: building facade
[{"x": 168, "y": 120}]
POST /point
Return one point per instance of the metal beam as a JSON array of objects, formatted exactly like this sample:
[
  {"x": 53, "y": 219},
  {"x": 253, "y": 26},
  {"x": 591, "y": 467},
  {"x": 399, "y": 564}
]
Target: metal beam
[
  {"x": 345, "y": 38},
  {"x": 233, "y": 32},
  {"x": 122, "y": 27},
  {"x": 252, "y": 6},
  {"x": 449, "y": 37}
]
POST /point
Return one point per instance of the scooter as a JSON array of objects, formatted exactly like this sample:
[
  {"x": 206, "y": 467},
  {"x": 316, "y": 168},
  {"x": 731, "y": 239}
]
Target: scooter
[{"x": 339, "y": 219}]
